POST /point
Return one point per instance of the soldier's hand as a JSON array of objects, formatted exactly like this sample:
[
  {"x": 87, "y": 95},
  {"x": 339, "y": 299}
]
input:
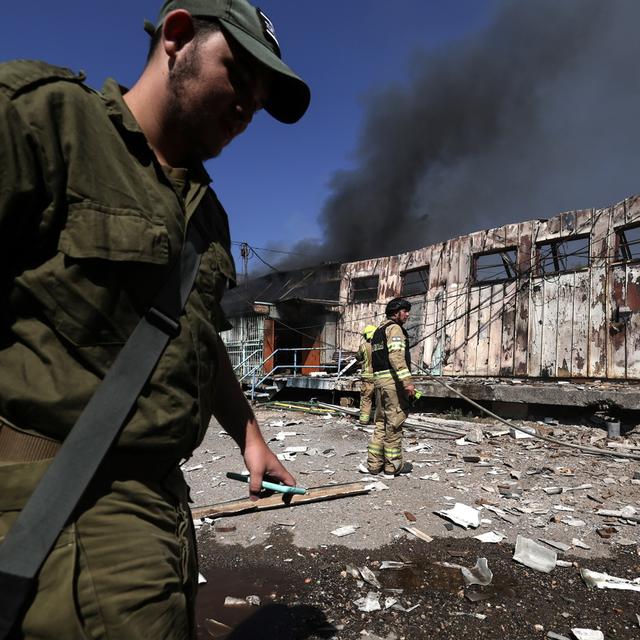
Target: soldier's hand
[
  {"x": 410, "y": 390},
  {"x": 261, "y": 461}
]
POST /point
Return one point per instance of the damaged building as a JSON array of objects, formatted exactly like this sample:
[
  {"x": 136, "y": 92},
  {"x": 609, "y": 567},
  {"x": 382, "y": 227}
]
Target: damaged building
[{"x": 502, "y": 311}]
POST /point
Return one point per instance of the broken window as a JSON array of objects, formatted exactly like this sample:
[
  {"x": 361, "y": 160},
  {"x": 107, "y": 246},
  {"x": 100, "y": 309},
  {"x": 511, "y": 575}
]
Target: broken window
[
  {"x": 364, "y": 289},
  {"x": 415, "y": 282},
  {"x": 628, "y": 244},
  {"x": 563, "y": 254},
  {"x": 495, "y": 266}
]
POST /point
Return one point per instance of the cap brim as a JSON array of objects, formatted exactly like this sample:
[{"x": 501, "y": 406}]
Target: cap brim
[{"x": 289, "y": 95}]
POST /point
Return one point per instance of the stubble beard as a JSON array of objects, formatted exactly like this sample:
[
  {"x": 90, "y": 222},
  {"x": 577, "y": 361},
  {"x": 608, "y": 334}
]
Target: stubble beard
[{"x": 186, "y": 124}]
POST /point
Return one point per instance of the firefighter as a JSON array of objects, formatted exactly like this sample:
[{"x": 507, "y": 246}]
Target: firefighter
[
  {"x": 366, "y": 378},
  {"x": 394, "y": 387}
]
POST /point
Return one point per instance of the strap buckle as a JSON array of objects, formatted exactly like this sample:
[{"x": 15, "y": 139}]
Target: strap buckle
[{"x": 163, "y": 322}]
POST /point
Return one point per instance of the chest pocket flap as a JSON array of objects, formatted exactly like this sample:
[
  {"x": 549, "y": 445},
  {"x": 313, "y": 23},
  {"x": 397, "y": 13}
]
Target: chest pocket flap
[{"x": 96, "y": 231}]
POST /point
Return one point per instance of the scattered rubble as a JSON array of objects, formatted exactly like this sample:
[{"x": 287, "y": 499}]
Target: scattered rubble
[{"x": 550, "y": 508}]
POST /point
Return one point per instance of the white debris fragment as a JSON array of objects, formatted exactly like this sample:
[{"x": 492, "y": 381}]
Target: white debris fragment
[
  {"x": 587, "y": 634},
  {"x": 475, "y": 435},
  {"x": 345, "y": 531},
  {"x": 534, "y": 555},
  {"x": 521, "y": 433},
  {"x": 479, "y": 574},
  {"x": 392, "y": 564},
  {"x": 576, "y": 542},
  {"x": 230, "y": 601},
  {"x": 369, "y": 576},
  {"x": 370, "y": 603},
  {"x": 286, "y": 456},
  {"x": 296, "y": 449},
  {"x": 195, "y": 467},
  {"x": 561, "y": 546},
  {"x": 605, "y": 581},
  {"x": 462, "y": 515},
  {"x": 389, "y": 602},
  {"x": 281, "y": 435},
  {"x": 490, "y": 536},
  {"x": 253, "y": 600},
  {"x": 573, "y": 522},
  {"x": 417, "y": 533},
  {"x": 376, "y": 486},
  {"x": 201, "y": 579},
  {"x": 431, "y": 476},
  {"x": 625, "y": 512},
  {"x": 564, "y": 563}
]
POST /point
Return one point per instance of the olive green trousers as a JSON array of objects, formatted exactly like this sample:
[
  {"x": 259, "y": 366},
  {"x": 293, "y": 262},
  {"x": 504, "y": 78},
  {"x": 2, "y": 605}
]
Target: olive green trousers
[
  {"x": 124, "y": 569},
  {"x": 385, "y": 448},
  {"x": 367, "y": 389}
]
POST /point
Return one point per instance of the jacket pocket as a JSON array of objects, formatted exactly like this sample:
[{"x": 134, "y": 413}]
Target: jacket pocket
[
  {"x": 109, "y": 265},
  {"x": 217, "y": 272}
]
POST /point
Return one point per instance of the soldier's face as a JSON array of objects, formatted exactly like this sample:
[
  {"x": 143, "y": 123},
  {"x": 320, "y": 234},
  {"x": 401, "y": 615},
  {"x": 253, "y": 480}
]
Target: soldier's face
[
  {"x": 216, "y": 88},
  {"x": 403, "y": 316}
]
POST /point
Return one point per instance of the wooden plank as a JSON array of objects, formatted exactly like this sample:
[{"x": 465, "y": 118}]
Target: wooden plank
[
  {"x": 536, "y": 318},
  {"x": 279, "y": 500},
  {"x": 617, "y": 359},
  {"x": 633, "y": 324},
  {"x": 495, "y": 329},
  {"x": 601, "y": 241},
  {"x": 508, "y": 329},
  {"x": 484, "y": 322},
  {"x": 525, "y": 261},
  {"x": 473, "y": 329},
  {"x": 463, "y": 267},
  {"x": 548, "y": 365},
  {"x": 580, "y": 346},
  {"x": 564, "y": 326}
]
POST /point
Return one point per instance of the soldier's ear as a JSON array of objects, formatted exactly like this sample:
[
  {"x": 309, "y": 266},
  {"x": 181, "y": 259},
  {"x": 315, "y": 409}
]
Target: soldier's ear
[{"x": 177, "y": 31}]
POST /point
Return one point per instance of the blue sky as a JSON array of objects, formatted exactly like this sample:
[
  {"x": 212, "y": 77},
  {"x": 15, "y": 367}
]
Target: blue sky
[{"x": 274, "y": 179}]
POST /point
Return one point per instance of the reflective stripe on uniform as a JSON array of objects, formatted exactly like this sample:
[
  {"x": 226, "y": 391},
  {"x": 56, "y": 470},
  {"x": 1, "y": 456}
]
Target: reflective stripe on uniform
[
  {"x": 382, "y": 374},
  {"x": 375, "y": 448},
  {"x": 398, "y": 346},
  {"x": 393, "y": 454},
  {"x": 404, "y": 373}
]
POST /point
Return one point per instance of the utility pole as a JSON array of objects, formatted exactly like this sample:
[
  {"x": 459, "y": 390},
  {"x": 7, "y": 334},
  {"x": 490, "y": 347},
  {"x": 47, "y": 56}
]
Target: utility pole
[{"x": 245, "y": 252}]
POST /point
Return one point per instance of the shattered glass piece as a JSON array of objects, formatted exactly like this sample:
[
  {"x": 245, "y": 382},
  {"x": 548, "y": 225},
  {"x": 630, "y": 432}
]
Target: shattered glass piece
[{"x": 534, "y": 555}]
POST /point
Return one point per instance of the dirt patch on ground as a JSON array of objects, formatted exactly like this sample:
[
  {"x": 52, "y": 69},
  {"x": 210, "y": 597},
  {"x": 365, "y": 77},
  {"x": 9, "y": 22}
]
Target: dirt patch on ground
[{"x": 308, "y": 593}]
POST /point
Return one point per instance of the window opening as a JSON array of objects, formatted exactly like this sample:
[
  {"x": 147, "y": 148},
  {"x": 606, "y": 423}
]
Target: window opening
[
  {"x": 496, "y": 266},
  {"x": 364, "y": 289},
  {"x": 557, "y": 256},
  {"x": 628, "y": 244},
  {"x": 415, "y": 282}
]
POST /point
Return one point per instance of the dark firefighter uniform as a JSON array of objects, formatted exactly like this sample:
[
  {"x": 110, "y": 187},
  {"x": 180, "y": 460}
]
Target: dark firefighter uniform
[{"x": 391, "y": 360}]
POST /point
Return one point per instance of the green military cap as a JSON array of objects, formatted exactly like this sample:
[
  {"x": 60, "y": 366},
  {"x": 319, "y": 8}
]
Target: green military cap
[{"x": 249, "y": 27}]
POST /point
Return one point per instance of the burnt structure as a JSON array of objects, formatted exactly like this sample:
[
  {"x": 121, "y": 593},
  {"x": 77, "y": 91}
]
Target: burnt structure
[{"x": 538, "y": 300}]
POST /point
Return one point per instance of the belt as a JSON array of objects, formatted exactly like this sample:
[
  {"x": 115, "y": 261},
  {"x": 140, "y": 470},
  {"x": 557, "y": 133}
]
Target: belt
[{"x": 18, "y": 446}]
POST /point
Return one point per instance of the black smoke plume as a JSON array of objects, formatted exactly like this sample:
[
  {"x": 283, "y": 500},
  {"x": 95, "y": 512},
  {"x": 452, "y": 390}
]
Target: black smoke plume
[{"x": 537, "y": 114}]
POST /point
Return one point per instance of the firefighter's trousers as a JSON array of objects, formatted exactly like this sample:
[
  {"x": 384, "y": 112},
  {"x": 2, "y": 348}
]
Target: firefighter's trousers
[
  {"x": 367, "y": 389},
  {"x": 385, "y": 449}
]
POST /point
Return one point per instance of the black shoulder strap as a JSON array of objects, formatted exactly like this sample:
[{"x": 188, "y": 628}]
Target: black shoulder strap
[{"x": 34, "y": 533}]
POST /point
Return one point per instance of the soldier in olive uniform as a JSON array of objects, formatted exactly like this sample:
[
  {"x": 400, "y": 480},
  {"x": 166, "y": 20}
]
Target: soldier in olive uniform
[
  {"x": 394, "y": 388},
  {"x": 95, "y": 193},
  {"x": 363, "y": 356}
]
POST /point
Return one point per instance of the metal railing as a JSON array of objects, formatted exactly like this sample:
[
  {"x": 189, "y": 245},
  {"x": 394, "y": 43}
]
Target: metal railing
[{"x": 258, "y": 376}]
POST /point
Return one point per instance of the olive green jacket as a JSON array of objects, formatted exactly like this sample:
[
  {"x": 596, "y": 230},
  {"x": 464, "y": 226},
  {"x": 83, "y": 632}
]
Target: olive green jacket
[{"x": 89, "y": 225}]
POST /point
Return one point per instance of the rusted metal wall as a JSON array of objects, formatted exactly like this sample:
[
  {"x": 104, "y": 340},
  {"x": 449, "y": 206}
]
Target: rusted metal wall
[{"x": 583, "y": 323}]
